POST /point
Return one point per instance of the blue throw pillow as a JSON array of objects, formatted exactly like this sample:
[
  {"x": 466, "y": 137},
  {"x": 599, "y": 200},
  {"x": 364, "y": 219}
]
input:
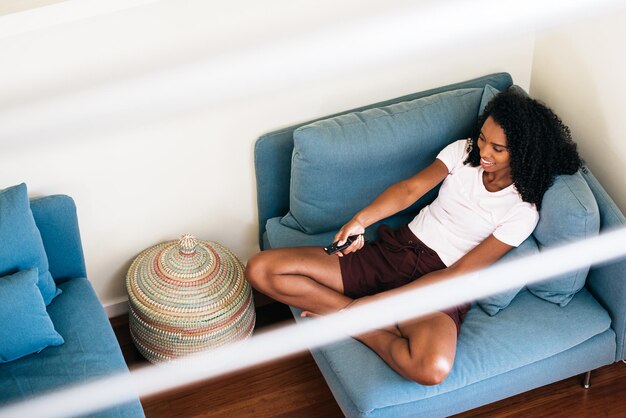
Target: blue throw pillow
[
  {"x": 22, "y": 247},
  {"x": 495, "y": 303},
  {"x": 340, "y": 164},
  {"x": 25, "y": 326},
  {"x": 489, "y": 93},
  {"x": 569, "y": 212}
]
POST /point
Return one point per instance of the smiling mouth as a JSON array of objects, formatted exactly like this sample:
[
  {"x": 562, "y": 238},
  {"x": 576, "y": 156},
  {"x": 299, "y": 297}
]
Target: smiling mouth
[{"x": 486, "y": 163}]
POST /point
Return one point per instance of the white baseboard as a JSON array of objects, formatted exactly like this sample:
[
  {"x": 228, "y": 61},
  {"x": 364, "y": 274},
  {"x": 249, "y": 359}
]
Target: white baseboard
[{"x": 116, "y": 308}]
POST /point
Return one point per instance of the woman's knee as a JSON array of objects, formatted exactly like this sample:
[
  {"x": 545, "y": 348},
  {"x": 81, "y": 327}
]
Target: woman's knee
[
  {"x": 257, "y": 272},
  {"x": 428, "y": 370}
]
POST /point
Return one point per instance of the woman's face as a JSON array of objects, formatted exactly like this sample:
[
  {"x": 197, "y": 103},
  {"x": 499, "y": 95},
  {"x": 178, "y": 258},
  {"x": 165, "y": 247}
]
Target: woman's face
[{"x": 494, "y": 154}]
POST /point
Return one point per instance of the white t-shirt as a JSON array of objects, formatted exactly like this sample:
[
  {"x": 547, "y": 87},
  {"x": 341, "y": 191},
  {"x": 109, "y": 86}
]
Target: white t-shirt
[{"x": 465, "y": 213}]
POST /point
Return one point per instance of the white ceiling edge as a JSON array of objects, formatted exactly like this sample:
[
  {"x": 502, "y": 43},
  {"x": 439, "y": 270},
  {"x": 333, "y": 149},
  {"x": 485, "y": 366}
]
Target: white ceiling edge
[{"x": 60, "y": 13}]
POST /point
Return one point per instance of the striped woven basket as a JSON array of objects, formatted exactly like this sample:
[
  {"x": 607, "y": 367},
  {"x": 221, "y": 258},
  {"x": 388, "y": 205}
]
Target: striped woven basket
[{"x": 187, "y": 296}]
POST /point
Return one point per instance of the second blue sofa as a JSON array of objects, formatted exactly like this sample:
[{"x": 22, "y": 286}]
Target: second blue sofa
[{"x": 90, "y": 349}]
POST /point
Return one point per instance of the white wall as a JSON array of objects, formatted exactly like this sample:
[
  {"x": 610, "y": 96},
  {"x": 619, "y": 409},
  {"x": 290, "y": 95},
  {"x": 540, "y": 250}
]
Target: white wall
[
  {"x": 579, "y": 70},
  {"x": 14, "y": 6},
  {"x": 138, "y": 182}
]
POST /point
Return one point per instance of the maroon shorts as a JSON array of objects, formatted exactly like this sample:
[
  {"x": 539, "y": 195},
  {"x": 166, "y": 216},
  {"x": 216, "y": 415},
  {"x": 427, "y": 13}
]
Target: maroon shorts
[{"x": 395, "y": 259}]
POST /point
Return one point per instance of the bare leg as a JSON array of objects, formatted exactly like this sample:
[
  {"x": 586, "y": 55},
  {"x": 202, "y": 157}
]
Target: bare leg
[
  {"x": 423, "y": 352},
  {"x": 304, "y": 277}
]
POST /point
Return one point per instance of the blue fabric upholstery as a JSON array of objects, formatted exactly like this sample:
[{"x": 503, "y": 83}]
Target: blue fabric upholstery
[
  {"x": 606, "y": 281},
  {"x": 22, "y": 247},
  {"x": 90, "y": 351},
  {"x": 589, "y": 355},
  {"x": 529, "y": 344},
  {"x": 26, "y": 327},
  {"x": 569, "y": 212},
  {"x": 351, "y": 155},
  {"x": 487, "y": 347}
]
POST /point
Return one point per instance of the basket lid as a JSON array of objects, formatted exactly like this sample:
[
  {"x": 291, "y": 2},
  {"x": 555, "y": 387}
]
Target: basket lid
[{"x": 185, "y": 276}]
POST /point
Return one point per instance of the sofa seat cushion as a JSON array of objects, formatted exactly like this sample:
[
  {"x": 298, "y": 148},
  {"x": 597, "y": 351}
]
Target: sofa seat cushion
[
  {"x": 528, "y": 331},
  {"x": 279, "y": 236},
  {"x": 90, "y": 351}
]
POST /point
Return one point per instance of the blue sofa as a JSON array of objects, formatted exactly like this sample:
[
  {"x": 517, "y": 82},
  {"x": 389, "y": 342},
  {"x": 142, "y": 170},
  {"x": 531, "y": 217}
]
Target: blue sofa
[
  {"x": 312, "y": 177},
  {"x": 88, "y": 348}
]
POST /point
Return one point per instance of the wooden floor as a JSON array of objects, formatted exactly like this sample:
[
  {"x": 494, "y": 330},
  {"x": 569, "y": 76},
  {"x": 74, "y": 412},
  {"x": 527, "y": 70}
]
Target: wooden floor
[{"x": 294, "y": 387}]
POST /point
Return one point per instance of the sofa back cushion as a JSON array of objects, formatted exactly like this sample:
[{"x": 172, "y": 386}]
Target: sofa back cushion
[
  {"x": 569, "y": 212},
  {"x": 57, "y": 221},
  {"x": 341, "y": 164}
]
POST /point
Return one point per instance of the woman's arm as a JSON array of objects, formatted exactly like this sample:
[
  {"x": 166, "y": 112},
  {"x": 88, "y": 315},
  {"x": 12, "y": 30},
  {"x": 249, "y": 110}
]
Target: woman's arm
[{"x": 395, "y": 198}]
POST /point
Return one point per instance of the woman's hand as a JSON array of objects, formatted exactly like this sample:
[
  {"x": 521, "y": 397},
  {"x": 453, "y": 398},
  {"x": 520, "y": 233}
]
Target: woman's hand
[{"x": 352, "y": 228}]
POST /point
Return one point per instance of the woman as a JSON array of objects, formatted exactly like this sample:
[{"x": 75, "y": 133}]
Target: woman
[{"x": 488, "y": 203}]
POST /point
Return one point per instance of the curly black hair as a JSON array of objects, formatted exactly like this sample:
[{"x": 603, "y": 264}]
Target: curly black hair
[{"x": 540, "y": 145}]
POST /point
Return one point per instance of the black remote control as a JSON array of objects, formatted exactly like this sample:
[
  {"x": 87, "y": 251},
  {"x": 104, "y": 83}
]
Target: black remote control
[{"x": 333, "y": 248}]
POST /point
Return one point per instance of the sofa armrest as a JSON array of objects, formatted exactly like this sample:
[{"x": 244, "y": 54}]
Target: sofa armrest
[
  {"x": 607, "y": 282},
  {"x": 272, "y": 163},
  {"x": 56, "y": 219}
]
